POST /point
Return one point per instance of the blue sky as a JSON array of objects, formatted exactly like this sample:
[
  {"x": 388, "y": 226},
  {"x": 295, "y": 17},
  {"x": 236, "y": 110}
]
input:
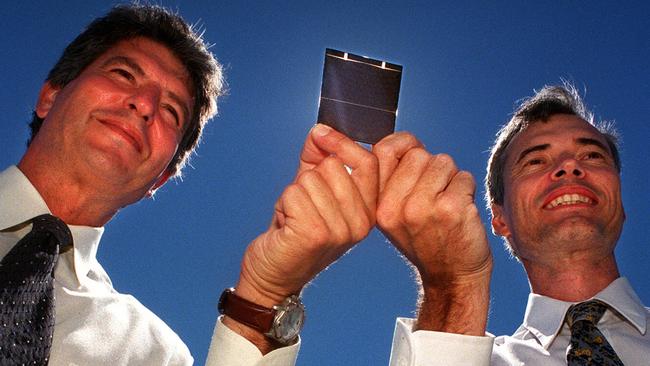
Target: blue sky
[{"x": 465, "y": 65}]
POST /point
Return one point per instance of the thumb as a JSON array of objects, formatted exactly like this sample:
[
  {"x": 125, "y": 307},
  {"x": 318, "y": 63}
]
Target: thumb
[{"x": 311, "y": 154}]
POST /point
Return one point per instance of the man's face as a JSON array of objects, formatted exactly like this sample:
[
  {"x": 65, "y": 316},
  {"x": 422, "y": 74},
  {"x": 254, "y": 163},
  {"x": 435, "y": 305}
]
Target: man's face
[
  {"x": 562, "y": 192},
  {"x": 120, "y": 121}
]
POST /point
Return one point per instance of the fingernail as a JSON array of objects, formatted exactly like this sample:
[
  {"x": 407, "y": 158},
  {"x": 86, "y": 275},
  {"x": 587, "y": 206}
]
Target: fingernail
[{"x": 321, "y": 129}]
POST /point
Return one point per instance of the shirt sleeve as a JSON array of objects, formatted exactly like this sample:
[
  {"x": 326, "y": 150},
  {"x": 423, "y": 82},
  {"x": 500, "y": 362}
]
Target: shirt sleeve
[
  {"x": 429, "y": 348},
  {"x": 230, "y": 349}
]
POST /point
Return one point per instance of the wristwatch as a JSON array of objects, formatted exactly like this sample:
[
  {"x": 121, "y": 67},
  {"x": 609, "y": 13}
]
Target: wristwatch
[{"x": 281, "y": 323}]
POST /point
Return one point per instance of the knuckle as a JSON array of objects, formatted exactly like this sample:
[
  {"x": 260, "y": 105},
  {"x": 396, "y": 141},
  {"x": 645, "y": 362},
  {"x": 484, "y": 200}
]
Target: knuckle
[
  {"x": 468, "y": 178},
  {"x": 445, "y": 160},
  {"x": 292, "y": 190},
  {"x": 387, "y": 215},
  {"x": 406, "y": 138},
  {"x": 446, "y": 206},
  {"x": 447, "y": 210},
  {"x": 330, "y": 163},
  {"x": 340, "y": 234},
  {"x": 383, "y": 151},
  {"x": 308, "y": 177},
  {"x": 417, "y": 155},
  {"x": 369, "y": 160},
  {"x": 416, "y": 211},
  {"x": 360, "y": 229},
  {"x": 472, "y": 211}
]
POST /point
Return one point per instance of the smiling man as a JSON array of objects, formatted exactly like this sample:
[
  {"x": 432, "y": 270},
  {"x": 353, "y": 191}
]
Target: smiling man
[
  {"x": 118, "y": 115},
  {"x": 553, "y": 186},
  {"x": 96, "y": 144}
]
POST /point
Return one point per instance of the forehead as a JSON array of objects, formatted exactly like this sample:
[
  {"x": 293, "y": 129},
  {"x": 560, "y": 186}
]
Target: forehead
[{"x": 560, "y": 129}]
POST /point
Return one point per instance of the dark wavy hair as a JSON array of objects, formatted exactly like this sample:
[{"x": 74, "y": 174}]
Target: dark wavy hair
[{"x": 158, "y": 24}]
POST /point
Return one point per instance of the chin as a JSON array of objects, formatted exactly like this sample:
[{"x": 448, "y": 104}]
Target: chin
[
  {"x": 110, "y": 167},
  {"x": 575, "y": 231}
]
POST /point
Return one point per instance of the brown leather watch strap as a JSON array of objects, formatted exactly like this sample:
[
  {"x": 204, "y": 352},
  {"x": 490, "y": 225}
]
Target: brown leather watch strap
[{"x": 246, "y": 312}]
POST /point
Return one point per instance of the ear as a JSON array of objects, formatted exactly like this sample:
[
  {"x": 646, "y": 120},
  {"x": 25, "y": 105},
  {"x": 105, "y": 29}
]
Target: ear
[
  {"x": 499, "y": 224},
  {"x": 46, "y": 99},
  {"x": 159, "y": 183}
]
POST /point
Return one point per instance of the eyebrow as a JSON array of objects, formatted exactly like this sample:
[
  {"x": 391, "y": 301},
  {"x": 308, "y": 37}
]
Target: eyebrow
[
  {"x": 586, "y": 141},
  {"x": 138, "y": 70},
  {"x": 531, "y": 149},
  {"x": 124, "y": 61}
]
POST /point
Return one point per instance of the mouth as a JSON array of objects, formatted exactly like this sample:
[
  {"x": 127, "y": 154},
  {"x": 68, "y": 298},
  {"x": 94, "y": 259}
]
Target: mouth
[
  {"x": 569, "y": 199},
  {"x": 570, "y": 196},
  {"x": 128, "y": 134}
]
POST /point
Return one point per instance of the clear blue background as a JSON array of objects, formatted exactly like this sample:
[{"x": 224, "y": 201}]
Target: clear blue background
[{"x": 465, "y": 65}]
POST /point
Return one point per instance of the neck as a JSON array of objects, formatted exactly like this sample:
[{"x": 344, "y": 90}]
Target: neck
[
  {"x": 572, "y": 280},
  {"x": 68, "y": 198}
]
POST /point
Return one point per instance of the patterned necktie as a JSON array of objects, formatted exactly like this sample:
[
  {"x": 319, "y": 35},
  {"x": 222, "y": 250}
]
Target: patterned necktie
[
  {"x": 588, "y": 345},
  {"x": 27, "y": 293}
]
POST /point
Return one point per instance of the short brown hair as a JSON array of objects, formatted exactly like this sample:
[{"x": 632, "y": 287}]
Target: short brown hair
[{"x": 551, "y": 100}]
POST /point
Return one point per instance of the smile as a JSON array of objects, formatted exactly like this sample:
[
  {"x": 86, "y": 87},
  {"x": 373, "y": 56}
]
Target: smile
[
  {"x": 126, "y": 133},
  {"x": 569, "y": 199}
]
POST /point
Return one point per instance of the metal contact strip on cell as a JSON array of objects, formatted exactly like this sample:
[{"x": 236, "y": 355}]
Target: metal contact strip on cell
[
  {"x": 361, "y": 105},
  {"x": 366, "y": 63}
]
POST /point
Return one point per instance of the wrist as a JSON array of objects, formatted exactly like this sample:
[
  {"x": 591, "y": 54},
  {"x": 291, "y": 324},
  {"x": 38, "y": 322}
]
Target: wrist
[
  {"x": 266, "y": 326},
  {"x": 252, "y": 288},
  {"x": 455, "y": 278},
  {"x": 456, "y": 304},
  {"x": 262, "y": 284}
]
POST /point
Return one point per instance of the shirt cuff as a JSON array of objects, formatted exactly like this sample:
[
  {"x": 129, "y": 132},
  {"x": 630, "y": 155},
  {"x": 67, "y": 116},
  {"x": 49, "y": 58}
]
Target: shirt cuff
[
  {"x": 228, "y": 348},
  {"x": 429, "y": 348}
]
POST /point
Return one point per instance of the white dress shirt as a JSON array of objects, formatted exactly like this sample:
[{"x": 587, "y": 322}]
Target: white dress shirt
[
  {"x": 96, "y": 325},
  {"x": 542, "y": 339}
]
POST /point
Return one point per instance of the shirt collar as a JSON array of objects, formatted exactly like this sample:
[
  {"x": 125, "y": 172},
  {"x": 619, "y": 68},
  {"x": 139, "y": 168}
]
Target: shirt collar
[
  {"x": 622, "y": 298},
  {"x": 20, "y": 202},
  {"x": 544, "y": 316}
]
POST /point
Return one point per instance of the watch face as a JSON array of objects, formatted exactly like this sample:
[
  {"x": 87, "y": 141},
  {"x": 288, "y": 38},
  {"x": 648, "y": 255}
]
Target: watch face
[{"x": 289, "y": 321}]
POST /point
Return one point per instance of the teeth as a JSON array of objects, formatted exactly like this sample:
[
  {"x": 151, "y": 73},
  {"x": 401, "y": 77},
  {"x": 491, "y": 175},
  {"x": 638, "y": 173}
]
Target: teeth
[{"x": 569, "y": 199}]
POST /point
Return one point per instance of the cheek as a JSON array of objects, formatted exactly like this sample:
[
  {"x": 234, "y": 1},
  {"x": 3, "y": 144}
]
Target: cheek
[
  {"x": 99, "y": 90},
  {"x": 529, "y": 189},
  {"x": 614, "y": 186},
  {"x": 164, "y": 142}
]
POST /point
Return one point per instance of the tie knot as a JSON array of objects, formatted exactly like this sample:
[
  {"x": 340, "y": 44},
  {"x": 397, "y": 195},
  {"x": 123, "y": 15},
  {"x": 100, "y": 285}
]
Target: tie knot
[
  {"x": 589, "y": 311},
  {"x": 55, "y": 226}
]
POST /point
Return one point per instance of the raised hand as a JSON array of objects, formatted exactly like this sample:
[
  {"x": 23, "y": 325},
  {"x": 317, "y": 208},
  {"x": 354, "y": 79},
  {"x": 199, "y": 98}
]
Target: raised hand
[
  {"x": 426, "y": 209},
  {"x": 318, "y": 217}
]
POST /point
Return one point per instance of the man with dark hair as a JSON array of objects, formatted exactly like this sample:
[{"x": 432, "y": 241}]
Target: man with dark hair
[
  {"x": 118, "y": 115},
  {"x": 168, "y": 29},
  {"x": 553, "y": 186}
]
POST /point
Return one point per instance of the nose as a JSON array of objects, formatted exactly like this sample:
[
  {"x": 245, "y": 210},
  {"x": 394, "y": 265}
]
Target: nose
[
  {"x": 143, "y": 102},
  {"x": 568, "y": 168}
]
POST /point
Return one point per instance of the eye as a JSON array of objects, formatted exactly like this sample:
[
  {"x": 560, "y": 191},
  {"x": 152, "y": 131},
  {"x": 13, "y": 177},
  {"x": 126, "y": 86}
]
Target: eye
[
  {"x": 123, "y": 73},
  {"x": 171, "y": 110},
  {"x": 594, "y": 155},
  {"x": 534, "y": 161}
]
